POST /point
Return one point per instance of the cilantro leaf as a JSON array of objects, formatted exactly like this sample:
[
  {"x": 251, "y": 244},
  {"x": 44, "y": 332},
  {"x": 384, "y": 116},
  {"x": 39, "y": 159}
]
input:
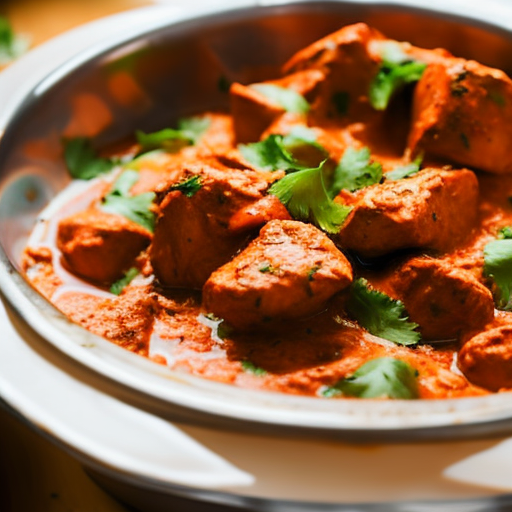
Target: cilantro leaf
[
  {"x": 250, "y": 367},
  {"x": 282, "y": 152},
  {"x": 384, "y": 377},
  {"x": 355, "y": 171},
  {"x": 12, "y": 46},
  {"x": 269, "y": 154},
  {"x": 82, "y": 161},
  {"x": 405, "y": 171},
  {"x": 505, "y": 233},
  {"x": 288, "y": 99},
  {"x": 498, "y": 266},
  {"x": 341, "y": 101},
  {"x": 189, "y": 186},
  {"x": 380, "y": 315},
  {"x": 135, "y": 208},
  {"x": 119, "y": 285},
  {"x": 152, "y": 158},
  {"x": 305, "y": 196},
  {"x": 188, "y": 133},
  {"x": 396, "y": 70}
]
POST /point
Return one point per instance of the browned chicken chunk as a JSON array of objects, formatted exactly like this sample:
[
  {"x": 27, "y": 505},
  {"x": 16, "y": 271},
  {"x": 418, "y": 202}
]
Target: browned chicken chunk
[
  {"x": 100, "y": 246},
  {"x": 253, "y": 111},
  {"x": 463, "y": 112},
  {"x": 486, "y": 359},
  {"x": 289, "y": 271},
  {"x": 193, "y": 235},
  {"x": 444, "y": 300},
  {"x": 347, "y": 63},
  {"x": 424, "y": 211},
  {"x": 350, "y": 59}
]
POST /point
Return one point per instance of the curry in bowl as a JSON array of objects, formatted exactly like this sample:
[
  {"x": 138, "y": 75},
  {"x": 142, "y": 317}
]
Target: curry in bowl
[{"x": 345, "y": 230}]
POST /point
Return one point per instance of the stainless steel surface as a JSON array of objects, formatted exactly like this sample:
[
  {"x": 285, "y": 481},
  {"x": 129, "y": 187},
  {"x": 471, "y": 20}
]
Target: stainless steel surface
[{"x": 177, "y": 63}]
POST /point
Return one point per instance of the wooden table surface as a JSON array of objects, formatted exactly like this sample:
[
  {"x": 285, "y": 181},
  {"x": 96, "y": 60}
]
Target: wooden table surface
[{"x": 35, "y": 475}]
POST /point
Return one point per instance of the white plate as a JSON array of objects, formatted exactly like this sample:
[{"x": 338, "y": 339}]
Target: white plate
[{"x": 127, "y": 437}]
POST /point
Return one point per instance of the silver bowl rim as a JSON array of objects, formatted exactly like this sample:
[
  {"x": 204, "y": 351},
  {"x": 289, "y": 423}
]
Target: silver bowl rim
[{"x": 215, "y": 403}]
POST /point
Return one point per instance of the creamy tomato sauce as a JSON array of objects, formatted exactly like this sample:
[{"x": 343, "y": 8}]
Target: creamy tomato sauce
[{"x": 233, "y": 283}]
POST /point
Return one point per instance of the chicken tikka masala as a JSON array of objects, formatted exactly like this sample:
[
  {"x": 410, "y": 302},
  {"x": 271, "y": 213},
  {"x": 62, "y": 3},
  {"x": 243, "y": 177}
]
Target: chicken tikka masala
[{"x": 344, "y": 231}]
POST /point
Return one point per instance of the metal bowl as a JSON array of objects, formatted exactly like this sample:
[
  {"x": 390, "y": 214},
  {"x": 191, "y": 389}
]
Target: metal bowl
[{"x": 177, "y": 62}]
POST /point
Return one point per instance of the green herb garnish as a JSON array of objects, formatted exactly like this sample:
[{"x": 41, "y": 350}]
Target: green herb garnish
[
  {"x": 122, "y": 283},
  {"x": 498, "y": 267},
  {"x": 396, "y": 70},
  {"x": 136, "y": 208},
  {"x": 188, "y": 133},
  {"x": 312, "y": 271},
  {"x": 188, "y": 187},
  {"x": 341, "y": 101},
  {"x": 267, "y": 268},
  {"x": 355, "y": 171},
  {"x": 381, "y": 315},
  {"x": 384, "y": 377},
  {"x": 250, "y": 367},
  {"x": 288, "y": 99},
  {"x": 405, "y": 171},
  {"x": 82, "y": 161},
  {"x": 12, "y": 46},
  {"x": 304, "y": 194},
  {"x": 285, "y": 152},
  {"x": 505, "y": 233}
]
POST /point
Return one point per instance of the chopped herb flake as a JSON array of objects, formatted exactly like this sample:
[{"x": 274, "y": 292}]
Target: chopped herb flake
[
  {"x": 82, "y": 161},
  {"x": 285, "y": 152},
  {"x": 505, "y": 233},
  {"x": 313, "y": 271},
  {"x": 465, "y": 140},
  {"x": 498, "y": 267},
  {"x": 250, "y": 367},
  {"x": 12, "y": 46},
  {"x": 381, "y": 315},
  {"x": 396, "y": 70},
  {"x": 405, "y": 171},
  {"x": 122, "y": 283},
  {"x": 188, "y": 187},
  {"x": 288, "y": 99},
  {"x": 136, "y": 208},
  {"x": 341, "y": 101},
  {"x": 269, "y": 269},
  {"x": 384, "y": 377},
  {"x": 189, "y": 131},
  {"x": 355, "y": 171}
]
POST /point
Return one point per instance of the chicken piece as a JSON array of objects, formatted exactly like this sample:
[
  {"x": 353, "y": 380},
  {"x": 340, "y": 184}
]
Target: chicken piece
[
  {"x": 463, "y": 112},
  {"x": 433, "y": 209},
  {"x": 486, "y": 358},
  {"x": 256, "y": 214},
  {"x": 442, "y": 299},
  {"x": 350, "y": 59},
  {"x": 100, "y": 246},
  {"x": 192, "y": 234},
  {"x": 289, "y": 271},
  {"x": 253, "y": 112}
]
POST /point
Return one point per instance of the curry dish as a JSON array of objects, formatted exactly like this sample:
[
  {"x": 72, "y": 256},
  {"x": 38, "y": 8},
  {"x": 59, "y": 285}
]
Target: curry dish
[{"x": 345, "y": 230}]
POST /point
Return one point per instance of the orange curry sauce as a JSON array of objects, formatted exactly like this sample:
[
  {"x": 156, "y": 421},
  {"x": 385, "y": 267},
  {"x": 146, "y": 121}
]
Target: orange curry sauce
[{"x": 419, "y": 239}]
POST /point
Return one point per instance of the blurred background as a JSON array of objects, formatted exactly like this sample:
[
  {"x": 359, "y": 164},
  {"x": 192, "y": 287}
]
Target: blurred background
[{"x": 40, "y": 20}]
